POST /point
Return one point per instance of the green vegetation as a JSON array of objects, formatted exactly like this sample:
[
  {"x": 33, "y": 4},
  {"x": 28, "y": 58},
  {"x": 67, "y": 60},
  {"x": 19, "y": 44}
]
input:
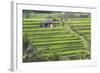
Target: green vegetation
[{"x": 68, "y": 40}]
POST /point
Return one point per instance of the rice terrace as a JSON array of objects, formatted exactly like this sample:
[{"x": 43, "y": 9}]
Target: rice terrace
[{"x": 56, "y": 36}]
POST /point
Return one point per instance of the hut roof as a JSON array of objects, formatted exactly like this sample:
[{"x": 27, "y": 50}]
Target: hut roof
[{"x": 48, "y": 21}]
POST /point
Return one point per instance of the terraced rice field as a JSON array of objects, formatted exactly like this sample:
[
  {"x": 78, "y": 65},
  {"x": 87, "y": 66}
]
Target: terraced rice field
[
  {"x": 82, "y": 27},
  {"x": 68, "y": 43}
]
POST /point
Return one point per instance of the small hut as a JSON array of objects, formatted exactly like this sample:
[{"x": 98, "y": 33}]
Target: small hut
[{"x": 48, "y": 23}]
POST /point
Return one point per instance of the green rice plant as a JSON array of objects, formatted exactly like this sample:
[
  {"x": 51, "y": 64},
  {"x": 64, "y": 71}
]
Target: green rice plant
[
  {"x": 55, "y": 43},
  {"x": 79, "y": 19}
]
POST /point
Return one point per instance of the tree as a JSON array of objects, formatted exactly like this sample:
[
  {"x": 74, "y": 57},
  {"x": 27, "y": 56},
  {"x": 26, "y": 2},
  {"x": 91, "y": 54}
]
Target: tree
[{"x": 28, "y": 49}]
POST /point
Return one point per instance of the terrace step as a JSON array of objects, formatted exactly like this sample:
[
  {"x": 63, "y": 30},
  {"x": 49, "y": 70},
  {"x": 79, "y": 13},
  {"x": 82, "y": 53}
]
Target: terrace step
[
  {"x": 56, "y": 42},
  {"x": 76, "y": 44},
  {"x": 66, "y": 52},
  {"x": 77, "y": 22},
  {"x": 54, "y": 39},
  {"x": 45, "y": 29},
  {"x": 52, "y": 36}
]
